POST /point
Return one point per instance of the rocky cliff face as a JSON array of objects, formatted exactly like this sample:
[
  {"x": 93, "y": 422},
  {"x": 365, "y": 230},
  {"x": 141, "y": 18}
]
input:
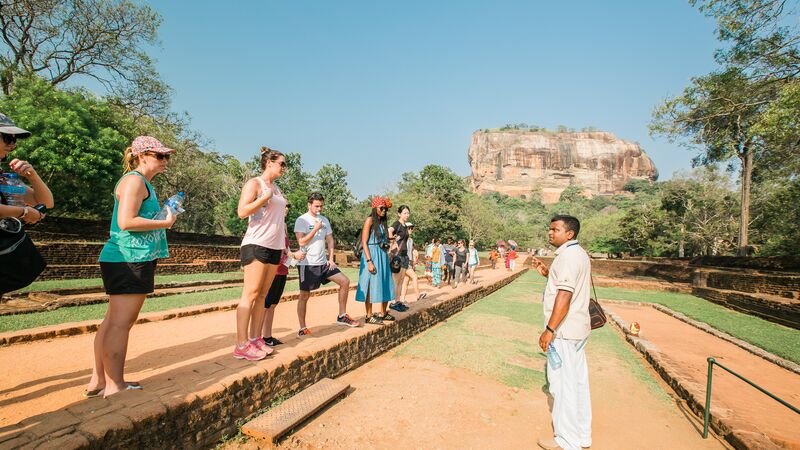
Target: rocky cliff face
[{"x": 518, "y": 162}]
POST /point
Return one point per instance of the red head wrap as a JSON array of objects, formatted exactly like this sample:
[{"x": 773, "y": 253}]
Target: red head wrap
[{"x": 379, "y": 201}]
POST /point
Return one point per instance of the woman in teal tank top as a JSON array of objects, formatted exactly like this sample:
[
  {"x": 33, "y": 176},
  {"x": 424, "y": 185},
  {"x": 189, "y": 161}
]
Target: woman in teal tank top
[{"x": 128, "y": 261}]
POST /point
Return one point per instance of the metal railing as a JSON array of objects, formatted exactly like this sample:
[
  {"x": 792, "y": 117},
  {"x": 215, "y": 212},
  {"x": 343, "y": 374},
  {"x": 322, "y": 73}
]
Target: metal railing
[{"x": 707, "y": 414}]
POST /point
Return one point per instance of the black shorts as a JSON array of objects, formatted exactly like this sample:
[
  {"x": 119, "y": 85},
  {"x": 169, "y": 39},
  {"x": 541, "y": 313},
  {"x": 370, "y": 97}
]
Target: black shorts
[
  {"x": 264, "y": 255},
  {"x": 275, "y": 291},
  {"x": 128, "y": 278},
  {"x": 311, "y": 277},
  {"x": 405, "y": 261}
]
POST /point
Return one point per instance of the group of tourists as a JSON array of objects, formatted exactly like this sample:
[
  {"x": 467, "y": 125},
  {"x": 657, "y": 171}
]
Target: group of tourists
[{"x": 450, "y": 263}]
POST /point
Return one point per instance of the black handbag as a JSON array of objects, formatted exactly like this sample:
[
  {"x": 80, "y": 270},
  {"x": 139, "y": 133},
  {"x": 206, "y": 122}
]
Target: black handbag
[
  {"x": 20, "y": 261},
  {"x": 597, "y": 316}
]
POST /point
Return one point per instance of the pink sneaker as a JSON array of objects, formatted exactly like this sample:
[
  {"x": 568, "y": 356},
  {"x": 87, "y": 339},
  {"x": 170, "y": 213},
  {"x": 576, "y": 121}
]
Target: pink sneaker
[
  {"x": 261, "y": 345},
  {"x": 249, "y": 352}
]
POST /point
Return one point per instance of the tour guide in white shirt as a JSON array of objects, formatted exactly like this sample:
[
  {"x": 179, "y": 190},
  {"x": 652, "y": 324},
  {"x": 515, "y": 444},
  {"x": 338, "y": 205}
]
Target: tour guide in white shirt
[
  {"x": 314, "y": 235},
  {"x": 567, "y": 327}
]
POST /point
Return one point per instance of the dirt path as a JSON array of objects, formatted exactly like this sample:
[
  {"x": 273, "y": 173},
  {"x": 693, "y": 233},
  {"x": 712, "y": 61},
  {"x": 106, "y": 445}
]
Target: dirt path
[
  {"x": 49, "y": 375},
  {"x": 476, "y": 382},
  {"x": 686, "y": 349}
]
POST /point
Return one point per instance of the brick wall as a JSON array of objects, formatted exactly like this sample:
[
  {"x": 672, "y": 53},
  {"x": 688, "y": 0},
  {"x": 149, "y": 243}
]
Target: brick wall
[
  {"x": 782, "y": 285},
  {"x": 680, "y": 273},
  {"x": 784, "y": 313},
  {"x": 779, "y": 263}
]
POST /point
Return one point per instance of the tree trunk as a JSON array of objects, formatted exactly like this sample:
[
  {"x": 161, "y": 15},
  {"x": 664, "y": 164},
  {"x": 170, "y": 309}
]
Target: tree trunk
[
  {"x": 681, "y": 242},
  {"x": 744, "y": 217}
]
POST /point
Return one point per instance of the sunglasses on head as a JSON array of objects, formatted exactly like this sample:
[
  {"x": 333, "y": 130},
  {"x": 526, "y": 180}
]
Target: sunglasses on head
[
  {"x": 160, "y": 156},
  {"x": 9, "y": 138}
]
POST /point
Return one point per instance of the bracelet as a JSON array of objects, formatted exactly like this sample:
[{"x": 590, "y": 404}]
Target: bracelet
[
  {"x": 369, "y": 260},
  {"x": 550, "y": 329},
  {"x": 24, "y": 213}
]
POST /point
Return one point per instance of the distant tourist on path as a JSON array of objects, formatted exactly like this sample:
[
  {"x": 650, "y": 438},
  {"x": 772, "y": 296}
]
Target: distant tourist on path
[
  {"x": 128, "y": 261},
  {"x": 494, "y": 255},
  {"x": 375, "y": 283},
  {"x": 459, "y": 254},
  {"x": 315, "y": 238},
  {"x": 276, "y": 289},
  {"x": 567, "y": 327},
  {"x": 411, "y": 272},
  {"x": 448, "y": 268},
  {"x": 436, "y": 263},
  {"x": 472, "y": 261},
  {"x": 263, "y": 203},
  {"x": 20, "y": 262},
  {"x": 512, "y": 259}
]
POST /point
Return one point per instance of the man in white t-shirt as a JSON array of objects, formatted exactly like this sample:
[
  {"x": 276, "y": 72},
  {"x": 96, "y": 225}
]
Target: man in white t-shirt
[
  {"x": 315, "y": 238},
  {"x": 567, "y": 327}
]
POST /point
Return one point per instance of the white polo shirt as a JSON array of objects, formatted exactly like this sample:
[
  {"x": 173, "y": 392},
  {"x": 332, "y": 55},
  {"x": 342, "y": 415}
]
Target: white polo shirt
[{"x": 571, "y": 271}]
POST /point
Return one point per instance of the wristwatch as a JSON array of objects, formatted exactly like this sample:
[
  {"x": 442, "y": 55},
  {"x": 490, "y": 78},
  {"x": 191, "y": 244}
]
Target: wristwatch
[{"x": 550, "y": 329}]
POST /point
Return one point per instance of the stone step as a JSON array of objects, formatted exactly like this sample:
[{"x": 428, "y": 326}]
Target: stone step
[{"x": 276, "y": 422}]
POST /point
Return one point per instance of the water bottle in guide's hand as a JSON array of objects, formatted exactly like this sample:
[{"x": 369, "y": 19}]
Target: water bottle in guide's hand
[{"x": 175, "y": 203}]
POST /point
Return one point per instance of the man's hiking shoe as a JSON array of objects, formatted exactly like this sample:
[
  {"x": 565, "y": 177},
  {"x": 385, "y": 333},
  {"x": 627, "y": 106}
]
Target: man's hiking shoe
[
  {"x": 303, "y": 332},
  {"x": 374, "y": 319},
  {"x": 346, "y": 321},
  {"x": 271, "y": 341}
]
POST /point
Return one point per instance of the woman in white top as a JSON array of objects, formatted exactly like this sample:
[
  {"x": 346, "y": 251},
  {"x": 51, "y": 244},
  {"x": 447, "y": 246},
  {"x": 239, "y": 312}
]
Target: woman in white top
[{"x": 263, "y": 203}]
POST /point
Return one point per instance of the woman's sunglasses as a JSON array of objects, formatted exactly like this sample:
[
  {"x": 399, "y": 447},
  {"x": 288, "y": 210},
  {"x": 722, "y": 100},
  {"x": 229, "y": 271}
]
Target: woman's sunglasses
[
  {"x": 9, "y": 139},
  {"x": 160, "y": 156},
  {"x": 383, "y": 208},
  {"x": 282, "y": 164}
]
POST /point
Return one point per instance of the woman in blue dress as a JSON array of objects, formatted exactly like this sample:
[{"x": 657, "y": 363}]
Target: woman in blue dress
[{"x": 375, "y": 277}]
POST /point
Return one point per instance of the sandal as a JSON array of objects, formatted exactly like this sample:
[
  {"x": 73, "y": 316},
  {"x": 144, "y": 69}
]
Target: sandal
[
  {"x": 374, "y": 319},
  {"x": 388, "y": 317}
]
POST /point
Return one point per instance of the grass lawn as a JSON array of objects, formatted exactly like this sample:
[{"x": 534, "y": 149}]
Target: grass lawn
[
  {"x": 497, "y": 338},
  {"x": 97, "y": 311}
]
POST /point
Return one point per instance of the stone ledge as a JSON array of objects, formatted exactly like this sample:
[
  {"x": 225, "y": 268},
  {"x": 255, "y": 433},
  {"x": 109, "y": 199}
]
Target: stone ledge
[
  {"x": 90, "y": 326},
  {"x": 179, "y": 418},
  {"x": 734, "y": 432}
]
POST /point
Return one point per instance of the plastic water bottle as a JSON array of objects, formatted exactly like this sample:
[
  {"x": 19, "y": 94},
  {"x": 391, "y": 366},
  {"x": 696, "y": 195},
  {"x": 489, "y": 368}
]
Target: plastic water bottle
[
  {"x": 13, "y": 189},
  {"x": 174, "y": 203},
  {"x": 552, "y": 357}
]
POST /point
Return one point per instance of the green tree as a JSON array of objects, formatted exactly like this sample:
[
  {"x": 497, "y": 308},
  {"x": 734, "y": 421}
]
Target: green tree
[
  {"x": 437, "y": 192},
  {"x": 717, "y": 114},
  {"x": 331, "y": 180},
  {"x": 76, "y": 145},
  {"x": 101, "y": 39}
]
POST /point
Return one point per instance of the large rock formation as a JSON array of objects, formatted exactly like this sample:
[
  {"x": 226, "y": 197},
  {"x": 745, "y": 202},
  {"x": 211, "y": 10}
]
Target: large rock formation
[{"x": 516, "y": 162}]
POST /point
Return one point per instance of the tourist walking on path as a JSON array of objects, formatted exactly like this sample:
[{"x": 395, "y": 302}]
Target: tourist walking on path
[
  {"x": 315, "y": 238},
  {"x": 20, "y": 262},
  {"x": 436, "y": 263},
  {"x": 263, "y": 203},
  {"x": 567, "y": 327},
  {"x": 448, "y": 268},
  {"x": 276, "y": 289},
  {"x": 128, "y": 261},
  {"x": 472, "y": 261},
  {"x": 375, "y": 283},
  {"x": 459, "y": 254}
]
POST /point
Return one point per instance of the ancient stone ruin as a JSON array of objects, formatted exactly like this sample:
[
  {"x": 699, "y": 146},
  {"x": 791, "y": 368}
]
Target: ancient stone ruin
[{"x": 519, "y": 162}]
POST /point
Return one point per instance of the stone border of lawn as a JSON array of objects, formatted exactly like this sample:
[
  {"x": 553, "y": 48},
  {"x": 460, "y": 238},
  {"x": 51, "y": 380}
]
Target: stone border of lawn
[
  {"x": 188, "y": 416},
  {"x": 758, "y": 351},
  {"x": 739, "y": 434},
  {"x": 90, "y": 326}
]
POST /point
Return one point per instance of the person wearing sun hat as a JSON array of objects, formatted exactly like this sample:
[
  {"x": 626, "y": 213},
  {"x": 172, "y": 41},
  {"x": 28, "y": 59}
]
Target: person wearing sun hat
[
  {"x": 375, "y": 283},
  {"x": 20, "y": 261},
  {"x": 128, "y": 260}
]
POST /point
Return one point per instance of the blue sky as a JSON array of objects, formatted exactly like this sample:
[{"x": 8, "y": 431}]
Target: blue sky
[{"x": 382, "y": 87}]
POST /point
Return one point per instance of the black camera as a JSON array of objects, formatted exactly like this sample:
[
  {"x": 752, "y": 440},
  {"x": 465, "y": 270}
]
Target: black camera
[{"x": 385, "y": 245}]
